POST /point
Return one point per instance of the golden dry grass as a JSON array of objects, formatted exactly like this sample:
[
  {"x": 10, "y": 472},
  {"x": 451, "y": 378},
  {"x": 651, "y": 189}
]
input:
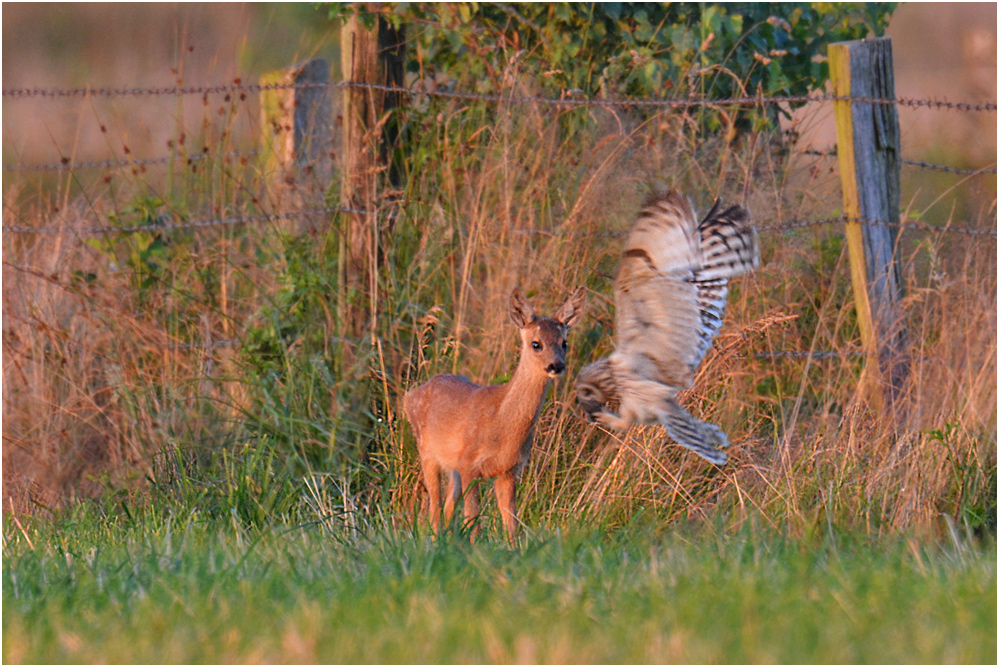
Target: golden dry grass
[{"x": 107, "y": 363}]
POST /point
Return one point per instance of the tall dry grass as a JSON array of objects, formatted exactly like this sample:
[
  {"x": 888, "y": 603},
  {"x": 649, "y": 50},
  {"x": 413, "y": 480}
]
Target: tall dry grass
[
  {"x": 118, "y": 347},
  {"x": 807, "y": 441},
  {"x": 117, "y": 353}
]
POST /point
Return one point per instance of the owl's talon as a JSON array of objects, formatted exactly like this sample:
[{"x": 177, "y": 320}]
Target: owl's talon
[{"x": 611, "y": 420}]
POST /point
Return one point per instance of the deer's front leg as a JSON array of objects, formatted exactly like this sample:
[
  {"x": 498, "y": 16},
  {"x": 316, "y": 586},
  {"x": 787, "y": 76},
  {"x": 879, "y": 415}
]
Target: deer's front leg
[{"x": 504, "y": 488}]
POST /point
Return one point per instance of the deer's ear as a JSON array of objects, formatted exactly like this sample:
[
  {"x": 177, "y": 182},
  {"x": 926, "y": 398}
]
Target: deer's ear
[
  {"x": 521, "y": 311},
  {"x": 571, "y": 312}
]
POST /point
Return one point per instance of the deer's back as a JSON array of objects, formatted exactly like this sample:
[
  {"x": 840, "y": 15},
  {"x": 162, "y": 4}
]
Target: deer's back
[
  {"x": 455, "y": 420},
  {"x": 449, "y": 401}
]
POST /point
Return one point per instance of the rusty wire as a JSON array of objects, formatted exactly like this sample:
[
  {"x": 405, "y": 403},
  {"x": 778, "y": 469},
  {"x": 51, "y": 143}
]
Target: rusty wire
[
  {"x": 566, "y": 101},
  {"x": 68, "y": 165},
  {"x": 204, "y": 346},
  {"x": 832, "y": 153},
  {"x": 194, "y": 224},
  {"x": 904, "y": 224}
]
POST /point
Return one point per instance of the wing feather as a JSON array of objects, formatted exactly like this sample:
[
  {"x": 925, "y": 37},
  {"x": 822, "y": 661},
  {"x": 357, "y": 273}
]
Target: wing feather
[
  {"x": 729, "y": 248},
  {"x": 665, "y": 236},
  {"x": 728, "y": 243},
  {"x": 657, "y": 315},
  {"x": 670, "y": 300},
  {"x": 656, "y": 324}
]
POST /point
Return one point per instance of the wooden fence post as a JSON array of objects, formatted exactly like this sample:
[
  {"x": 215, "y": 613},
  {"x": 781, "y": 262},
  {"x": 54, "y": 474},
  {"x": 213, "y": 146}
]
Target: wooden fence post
[
  {"x": 372, "y": 56},
  {"x": 869, "y": 155},
  {"x": 298, "y": 123}
]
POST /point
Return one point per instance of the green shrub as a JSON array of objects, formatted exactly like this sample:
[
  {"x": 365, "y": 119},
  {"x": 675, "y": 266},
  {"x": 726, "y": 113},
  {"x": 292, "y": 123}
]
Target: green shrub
[{"x": 633, "y": 49}]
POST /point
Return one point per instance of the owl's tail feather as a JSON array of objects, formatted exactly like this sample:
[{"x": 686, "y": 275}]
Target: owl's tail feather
[
  {"x": 728, "y": 243},
  {"x": 703, "y": 438}
]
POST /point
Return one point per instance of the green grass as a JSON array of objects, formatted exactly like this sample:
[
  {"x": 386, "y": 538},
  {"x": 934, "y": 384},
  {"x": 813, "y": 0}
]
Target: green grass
[{"x": 156, "y": 587}]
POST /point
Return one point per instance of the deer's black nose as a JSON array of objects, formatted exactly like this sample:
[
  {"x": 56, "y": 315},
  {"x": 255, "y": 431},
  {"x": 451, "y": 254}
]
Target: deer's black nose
[{"x": 555, "y": 368}]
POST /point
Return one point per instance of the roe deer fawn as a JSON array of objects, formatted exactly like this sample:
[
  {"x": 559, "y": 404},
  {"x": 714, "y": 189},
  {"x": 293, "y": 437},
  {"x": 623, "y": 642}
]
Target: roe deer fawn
[{"x": 486, "y": 432}]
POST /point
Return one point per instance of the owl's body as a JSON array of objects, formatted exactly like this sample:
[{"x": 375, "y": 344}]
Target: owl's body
[{"x": 670, "y": 296}]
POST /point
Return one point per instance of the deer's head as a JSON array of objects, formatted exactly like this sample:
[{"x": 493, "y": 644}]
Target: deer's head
[{"x": 543, "y": 340}]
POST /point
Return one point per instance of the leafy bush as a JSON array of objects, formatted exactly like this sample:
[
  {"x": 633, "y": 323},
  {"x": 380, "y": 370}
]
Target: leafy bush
[{"x": 626, "y": 49}]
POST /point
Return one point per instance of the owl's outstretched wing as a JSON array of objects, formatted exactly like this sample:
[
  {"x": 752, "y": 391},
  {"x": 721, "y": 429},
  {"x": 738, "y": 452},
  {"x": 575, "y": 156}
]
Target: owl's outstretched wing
[
  {"x": 728, "y": 242},
  {"x": 658, "y": 324},
  {"x": 670, "y": 298}
]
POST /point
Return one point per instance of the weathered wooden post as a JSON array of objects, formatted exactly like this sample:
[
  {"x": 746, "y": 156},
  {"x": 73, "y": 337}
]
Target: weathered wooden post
[
  {"x": 370, "y": 56},
  {"x": 868, "y": 150},
  {"x": 298, "y": 123}
]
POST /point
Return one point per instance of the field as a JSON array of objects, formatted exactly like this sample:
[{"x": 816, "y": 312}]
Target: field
[
  {"x": 175, "y": 588},
  {"x": 204, "y": 461}
]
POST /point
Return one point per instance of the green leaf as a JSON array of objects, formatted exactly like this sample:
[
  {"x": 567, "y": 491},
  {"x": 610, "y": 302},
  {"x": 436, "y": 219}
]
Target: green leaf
[{"x": 590, "y": 46}]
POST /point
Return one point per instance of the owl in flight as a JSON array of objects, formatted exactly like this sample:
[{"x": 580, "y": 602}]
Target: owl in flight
[{"x": 670, "y": 295}]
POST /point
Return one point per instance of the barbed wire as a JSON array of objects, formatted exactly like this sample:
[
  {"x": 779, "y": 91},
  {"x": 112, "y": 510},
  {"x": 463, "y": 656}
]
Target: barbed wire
[
  {"x": 771, "y": 354},
  {"x": 165, "y": 90},
  {"x": 675, "y": 103},
  {"x": 904, "y": 224},
  {"x": 568, "y": 100},
  {"x": 832, "y": 153},
  {"x": 226, "y": 343},
  {"x": 237, "y": 343},
  {"x": 946, "y": 168},
  {"x": 818, "y": 354},
  {"x": 203, "y": 346},
  {"x": 159, "y": 226},
  {"x": 828, "y": 153},
  {"x": 67, "y": 165},
  {"x": 799, "y": 224}
]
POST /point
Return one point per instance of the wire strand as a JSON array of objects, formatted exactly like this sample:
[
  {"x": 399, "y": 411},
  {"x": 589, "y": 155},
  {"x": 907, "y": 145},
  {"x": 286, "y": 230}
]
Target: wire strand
[
  {"x": 244, "y": 220},
  {"x": 903, "y": 224},
  {"x": 66, "y": 165},
  {"x": 565, "y": 101},
  {"x": 832, "y": 153}
]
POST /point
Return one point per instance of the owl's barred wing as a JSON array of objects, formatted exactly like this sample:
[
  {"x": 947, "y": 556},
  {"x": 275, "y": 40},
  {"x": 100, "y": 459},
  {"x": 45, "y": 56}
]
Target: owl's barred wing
[
  {"x": 729, "y": 248},
  {"x": 665, "y": 237},
  {"x": 728, "y": 243},
  {"x": 711, "y": 296},
  {"x": 657, "y": 325},
  {"x": 658, "y": 320},
  {"x": 670, "y": 298}
]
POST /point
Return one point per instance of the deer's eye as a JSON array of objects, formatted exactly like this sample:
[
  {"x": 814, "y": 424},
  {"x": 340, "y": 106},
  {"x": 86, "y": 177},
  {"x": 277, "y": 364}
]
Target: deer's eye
[
  {"x": 565, "y": 346},
  {"x": 537, "y": 345}
]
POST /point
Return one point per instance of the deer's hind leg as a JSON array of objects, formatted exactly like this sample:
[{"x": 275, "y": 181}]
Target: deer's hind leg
[
  {"x": 452, "y": 493},
  {"x": 432, "y": 480},
  {"x": 461, "y": 487},
  {"x": 470, "y": 492}
]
